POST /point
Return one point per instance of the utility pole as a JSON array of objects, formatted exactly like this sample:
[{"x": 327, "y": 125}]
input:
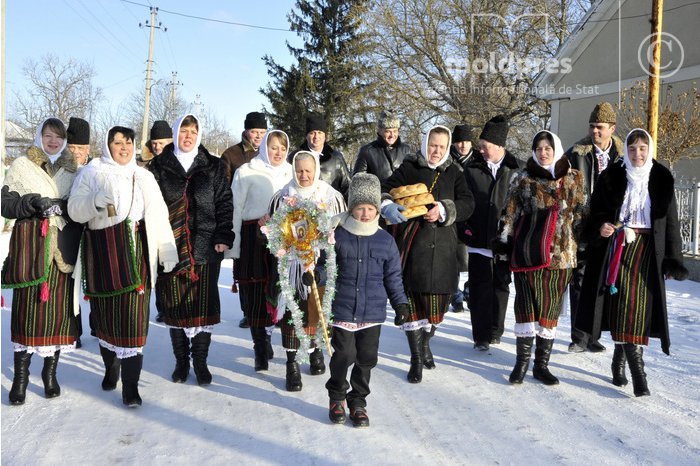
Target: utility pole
[
  {"x": 2, "y": 86},
  {"x": 172, "y": 98},
  {"x": 147, "y": 101},
  {"x": 655, "y": 70}
]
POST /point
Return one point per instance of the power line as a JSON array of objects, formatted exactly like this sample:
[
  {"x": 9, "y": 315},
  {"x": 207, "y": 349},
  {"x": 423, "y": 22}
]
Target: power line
[
  {"x": 104, "y": 27},
  {"x": 213, "y": 20}
]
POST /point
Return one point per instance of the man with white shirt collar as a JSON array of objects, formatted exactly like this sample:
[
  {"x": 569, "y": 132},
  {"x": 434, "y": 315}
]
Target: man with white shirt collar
[
  {"x": 488, "y": 176},
  {"x": 591, "y": 155}
]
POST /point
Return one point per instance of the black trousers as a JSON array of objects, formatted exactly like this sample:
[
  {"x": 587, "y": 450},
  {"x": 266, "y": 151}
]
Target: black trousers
[
  {"x": 579, "y": 337},
  {"x": 360, "y": 348},
  {"x": 488, "y": 297}
]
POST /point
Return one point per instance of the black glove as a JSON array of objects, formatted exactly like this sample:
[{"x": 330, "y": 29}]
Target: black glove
[
  {"x": 41, "y": 204},
  {"x": 307, "y": 280},
  {"x": 401, "y": 314}
]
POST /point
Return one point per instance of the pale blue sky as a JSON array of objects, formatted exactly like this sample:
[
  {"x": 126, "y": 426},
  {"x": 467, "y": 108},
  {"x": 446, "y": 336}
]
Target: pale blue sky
[{"x": 221, "y": 62}]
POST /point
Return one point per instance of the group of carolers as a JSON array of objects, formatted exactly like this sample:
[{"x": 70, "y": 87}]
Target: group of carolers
[{"x": 122, "y": 226}]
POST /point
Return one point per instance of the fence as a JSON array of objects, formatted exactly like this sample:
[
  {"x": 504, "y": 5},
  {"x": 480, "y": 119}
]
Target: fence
[{"x": 688, "y": 199}]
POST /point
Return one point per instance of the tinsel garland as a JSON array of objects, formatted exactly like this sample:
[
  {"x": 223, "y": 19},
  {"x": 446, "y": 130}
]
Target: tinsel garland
[{"x": 296, "y": 234}]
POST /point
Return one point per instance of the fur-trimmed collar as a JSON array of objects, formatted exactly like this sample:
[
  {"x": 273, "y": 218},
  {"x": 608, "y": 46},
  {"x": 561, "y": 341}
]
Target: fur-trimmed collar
[
  {"x": 585, "y": 146},
  {"x": 65, "y": 161},
  {"x": 168, "y": 160},
  {"x": 660, "y": 187},
  {"x": 560, "y": 169},
  {"x": 477, "y": 161}
]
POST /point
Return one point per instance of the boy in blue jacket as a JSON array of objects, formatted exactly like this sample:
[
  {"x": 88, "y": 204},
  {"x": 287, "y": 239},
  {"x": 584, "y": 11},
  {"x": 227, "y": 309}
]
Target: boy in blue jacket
[{"x": 369, "y": 272}]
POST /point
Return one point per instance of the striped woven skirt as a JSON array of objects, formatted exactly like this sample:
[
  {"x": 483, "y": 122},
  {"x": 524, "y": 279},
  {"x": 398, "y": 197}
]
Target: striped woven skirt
[
  {"x": 629, "y": 310},
  {"x": 251, "y": 274},
  {"x": 122, "y": 320},
  {"x": 310, "y": 318},
  {"x": 187, "y": 302},
  {"x": 430, "y": 307},
  {"x": 49, "y": 323},
  {"x": 539, "y": 295}
]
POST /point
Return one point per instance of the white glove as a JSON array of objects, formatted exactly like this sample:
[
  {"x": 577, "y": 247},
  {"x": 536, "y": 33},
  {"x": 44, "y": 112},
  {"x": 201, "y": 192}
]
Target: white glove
[
  {"x": 103, "y": 199},
  {"x": 168, "y": 266}
]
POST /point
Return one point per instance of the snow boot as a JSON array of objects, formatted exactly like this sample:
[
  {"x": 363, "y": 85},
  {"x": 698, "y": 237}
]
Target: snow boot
[
  {"x": 18, "y": 392},
  {"x": 131, "y": 373},
  {"x": 268, "y": 341},
  {"x": 260, "y": 348},
  {"x": 359, "y": 417},
  {"x": 336, "y": 412},
  {"x": 523, "y": 350},
  {"x": 317, "y": 366},
  {"x": 634, "y": 355},
  {"x": 428, "y": 361},
  {"x": 619, "y": 378},
  {"x": 415, "y": 344},
  {"x": 48, "y": 376},
  {"x": 541, "y": 370},
  {"x": 181, "y": 350},
  {"x": 112, "y": 368},
  {"x": 200, "y": 352},
  {"x": 293, "y": 381}
]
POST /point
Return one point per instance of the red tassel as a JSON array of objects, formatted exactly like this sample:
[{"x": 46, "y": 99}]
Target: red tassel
[
  {"x": 234, "y": 288},
  {"x": 44, "y": 294},
  {"x": 44, "y": 227},
  {"x": 86, "y": 298},
  {"x": 193, "y": 275},
  {"x": 140, "y": 289}
]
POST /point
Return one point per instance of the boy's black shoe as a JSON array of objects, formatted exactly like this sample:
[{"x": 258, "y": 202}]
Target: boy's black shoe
[
  {"x": 359, "y": 418},
  {"x": 336, "y": 412}
]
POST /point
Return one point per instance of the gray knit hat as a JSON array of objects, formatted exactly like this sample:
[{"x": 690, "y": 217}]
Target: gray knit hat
[
  {"x": 364, "y": 189},
  {"x": 388, "y": 119}
]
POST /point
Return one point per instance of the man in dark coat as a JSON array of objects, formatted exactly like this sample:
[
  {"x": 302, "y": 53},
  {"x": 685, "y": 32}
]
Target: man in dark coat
[
  {"x": 161, "y": 136},
  {"x": 591, "y": 155},
  {"x": 488, "y": 176},
  {"x": 384, "y": 155},
  {"x": 334, "y": 170},
  {"x": 428, "y": 243}
]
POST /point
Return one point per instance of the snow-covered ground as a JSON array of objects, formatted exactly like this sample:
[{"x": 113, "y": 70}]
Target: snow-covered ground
[{"x": 464, "y": 411}]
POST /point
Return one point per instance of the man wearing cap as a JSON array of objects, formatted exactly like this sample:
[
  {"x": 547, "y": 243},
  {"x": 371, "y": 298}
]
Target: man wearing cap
[
  {"x": 488, "y": 176},
  {"x": 591, "y": 155},
  {"x": 334, "y": 170},
  {"x": 78, "y": 139},
  {"x": 235, "y": 156},
  {"x": 384, "y": 155},
  {"x": 161, "y": 136}
]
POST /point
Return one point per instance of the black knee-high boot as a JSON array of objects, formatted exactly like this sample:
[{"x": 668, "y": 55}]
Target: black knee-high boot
[
  {"x": 112, "y": 367},
  {"x": 634, "y": 355},
  {"x": 260, "y": 348},
  {"x": 181, "y": 350},
  {"x": 618, "y": 366},
  {"x": 542, "y": 353},
  {"x": 18, "y": 392},
  {"x": 523, "y": 350},
  {"x": 131, "y": 373},
  {"x": 428, "y": 361},
  {"x": 415, "y": 344},
  {"x": 48, "y": 376},
  {"x": 200, "y": 353},
  {"x": 270, "y": 351},
  {"x": 293, "y": 373},
  {"x": 316, "y": 363}
]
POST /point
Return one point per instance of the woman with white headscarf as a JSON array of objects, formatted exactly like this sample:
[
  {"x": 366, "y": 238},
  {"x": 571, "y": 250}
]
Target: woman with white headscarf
[
  {"x": 198, "y": 196},
  {"x": 428, "y": 244},
  {"x": 42, "y": 253},
  {"x": 305, "y": 184},
  {"x": 127, "y": 237},
  {"x": 253, "y": 186},
  {"x": 634, "y": 246},
  {"x": 539, "y": 233}
]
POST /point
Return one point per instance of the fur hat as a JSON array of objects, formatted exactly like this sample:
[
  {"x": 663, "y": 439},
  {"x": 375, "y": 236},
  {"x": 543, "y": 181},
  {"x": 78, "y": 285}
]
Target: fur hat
[
  {"x": 364, "y": 189},
  {"x": 388, "y": 119},
  {"x": 462, "y": 133},
  {"x": 495, "y": 131},
  {"x": 316, "y": 122},
  {"x": 161, "y": 130},
  {"x": 78, "y": 131},
  {"x": 603, "y": 113},
  {"x": 255, "y": 120}
]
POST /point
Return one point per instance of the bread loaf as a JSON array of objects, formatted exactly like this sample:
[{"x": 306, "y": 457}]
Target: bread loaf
[
  {"x": 417, "y": 200},
  {"x": 408, "y": 190}
]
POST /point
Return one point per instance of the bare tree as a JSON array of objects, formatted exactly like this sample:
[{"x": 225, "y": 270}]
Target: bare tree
[
  {"x": 57, "y": 87},
  {"x": 163, "y": 106}
]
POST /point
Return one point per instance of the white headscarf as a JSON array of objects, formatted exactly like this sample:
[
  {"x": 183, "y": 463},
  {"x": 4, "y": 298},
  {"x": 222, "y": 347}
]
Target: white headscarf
[
  {"x": 636, "y": 206},
  {"x": 424, "y": 146},
  {"x": 558, "y": 152},
  {"x": 186, "y": 158},
  {"x": 39, "y": 142},
  {"x": 305, "y": 192},
  {"x": 265, "y": 159}
]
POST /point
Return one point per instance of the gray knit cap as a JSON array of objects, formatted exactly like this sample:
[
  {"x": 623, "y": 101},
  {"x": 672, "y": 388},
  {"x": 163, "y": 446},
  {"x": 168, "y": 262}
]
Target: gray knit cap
[{"x": 364, "y": 189}]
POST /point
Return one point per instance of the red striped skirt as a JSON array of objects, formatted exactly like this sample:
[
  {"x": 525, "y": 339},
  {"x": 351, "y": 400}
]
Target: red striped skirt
[{"x": 539, "y": 295}]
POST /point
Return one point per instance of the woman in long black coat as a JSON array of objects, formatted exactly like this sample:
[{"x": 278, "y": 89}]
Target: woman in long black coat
[
  {"x": 428, "y": 244},
  {"x": 634, "y": 245}
]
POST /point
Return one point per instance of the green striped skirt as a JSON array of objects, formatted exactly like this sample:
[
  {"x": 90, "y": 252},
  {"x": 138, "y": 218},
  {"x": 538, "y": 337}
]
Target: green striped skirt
[
  {"x": 425, "y": 306},
  {"x": 122, "y": 320},
  {"x": 185, "y": 302},
  {"x": 539, "y": 295}
]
